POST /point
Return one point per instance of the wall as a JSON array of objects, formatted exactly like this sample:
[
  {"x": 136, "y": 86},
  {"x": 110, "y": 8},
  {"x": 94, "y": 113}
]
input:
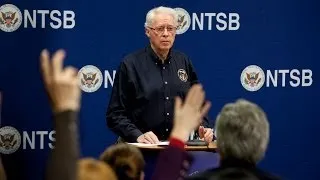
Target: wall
[{"x": 278, "y": 36}]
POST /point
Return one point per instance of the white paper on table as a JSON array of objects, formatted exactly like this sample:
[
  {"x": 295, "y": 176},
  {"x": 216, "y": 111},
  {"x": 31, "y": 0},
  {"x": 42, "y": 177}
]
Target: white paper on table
[{"x": 164, "y": 143}]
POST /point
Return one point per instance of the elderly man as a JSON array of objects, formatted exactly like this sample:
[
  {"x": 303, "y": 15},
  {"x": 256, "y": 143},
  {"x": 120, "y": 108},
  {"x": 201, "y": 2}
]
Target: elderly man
[
  {"x": 141, "y": 104},
  {"x": 242, "y": 132}
]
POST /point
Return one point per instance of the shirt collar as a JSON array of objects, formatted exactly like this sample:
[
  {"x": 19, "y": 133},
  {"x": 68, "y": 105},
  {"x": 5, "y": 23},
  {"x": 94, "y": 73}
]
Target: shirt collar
[{"x": 155, "y": 57}]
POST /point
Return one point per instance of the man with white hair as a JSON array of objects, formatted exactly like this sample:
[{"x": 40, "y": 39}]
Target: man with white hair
[
  {"x": 148, "y": 80},
  {"x": 242, "y": 132}
]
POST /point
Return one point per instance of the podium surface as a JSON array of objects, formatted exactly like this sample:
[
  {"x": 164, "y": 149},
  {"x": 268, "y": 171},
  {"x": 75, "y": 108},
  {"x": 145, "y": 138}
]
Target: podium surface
[{"x": 211, "y": 147}]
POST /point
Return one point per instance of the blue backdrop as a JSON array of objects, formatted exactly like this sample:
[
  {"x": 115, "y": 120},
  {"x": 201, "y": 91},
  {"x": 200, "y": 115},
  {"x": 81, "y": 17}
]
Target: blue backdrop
[{"x": 274, "y": 35}]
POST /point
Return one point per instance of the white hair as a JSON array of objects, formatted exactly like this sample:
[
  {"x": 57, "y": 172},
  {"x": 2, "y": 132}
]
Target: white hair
[
  {"x": 160, "y": 10},
  {"x": 242, "y": 131}
]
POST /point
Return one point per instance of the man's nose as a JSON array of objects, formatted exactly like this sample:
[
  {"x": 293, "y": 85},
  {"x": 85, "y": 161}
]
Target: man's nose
[{"x": 165, "y": 32}]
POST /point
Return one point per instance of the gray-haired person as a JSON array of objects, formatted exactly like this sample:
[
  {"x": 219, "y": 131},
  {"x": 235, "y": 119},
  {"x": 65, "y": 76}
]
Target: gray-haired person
[
  {"x": 242, "y": 132},
  {"x": 147, "y": 82}
]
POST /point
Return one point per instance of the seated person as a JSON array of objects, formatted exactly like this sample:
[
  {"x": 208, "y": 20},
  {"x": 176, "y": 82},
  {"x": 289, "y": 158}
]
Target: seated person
[
  {"x": 242, "y": 132},
  {"x": 91, "y": 169},
  {"x": 126, "y": 160}
]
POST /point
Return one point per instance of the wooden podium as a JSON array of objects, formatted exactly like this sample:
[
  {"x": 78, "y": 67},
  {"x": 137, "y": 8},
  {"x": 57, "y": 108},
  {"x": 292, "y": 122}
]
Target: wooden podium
[
  {"x": 205, "y": 157},
  {"x": 210, "y": 148}
]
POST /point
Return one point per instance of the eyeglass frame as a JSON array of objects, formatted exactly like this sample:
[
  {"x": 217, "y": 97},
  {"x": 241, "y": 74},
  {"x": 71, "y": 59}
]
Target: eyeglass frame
[{"x": 162, "y": 31}]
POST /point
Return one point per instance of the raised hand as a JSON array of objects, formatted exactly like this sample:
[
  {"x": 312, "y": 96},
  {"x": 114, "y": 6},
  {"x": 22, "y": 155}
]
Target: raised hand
[
  {"x": 188, "y": 115},
  {"x": 61, "y": 83}
]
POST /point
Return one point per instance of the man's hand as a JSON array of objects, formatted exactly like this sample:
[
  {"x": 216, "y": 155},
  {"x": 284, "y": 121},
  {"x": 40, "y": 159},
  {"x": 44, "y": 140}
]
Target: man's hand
[
  {"x": 148, "y": 138},
  {"x": 189, "y": 115},
  {"x": 61, "y": 83},
  {"x": 206, "y": 134}
]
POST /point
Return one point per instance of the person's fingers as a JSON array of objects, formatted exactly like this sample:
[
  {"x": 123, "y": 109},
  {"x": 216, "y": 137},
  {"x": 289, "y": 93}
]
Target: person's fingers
[
  {"x": 147, "y": 136},
  {"x": 191, "y": 93},
  {"x": 198, "y": 98},
  {"x": 154, "y": 137},
  {"x": 201, "y": 131},
  {"x": 201, "y": 128},
  {"x": 205, "y": 109},
  {"x": 71, "y": 71},
  {"x": 57, "y": 59},
  {"x": 45, "y": 66},
  {"x": 208, "y": 136},
  {"x": 178, "y": 103},
  {"x": 142, "y": 139},
  {"x": 211, "y": 135},
  {"x": 207, "y": 132},
  {"x": 145, "y": 141},
  {"x": 208, "y": 139},
  {"x": 46, "y": 72}
]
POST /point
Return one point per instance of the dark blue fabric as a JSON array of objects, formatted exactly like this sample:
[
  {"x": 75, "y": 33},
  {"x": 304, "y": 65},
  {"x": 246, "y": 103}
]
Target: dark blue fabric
[{"x": 143, "y": 94}]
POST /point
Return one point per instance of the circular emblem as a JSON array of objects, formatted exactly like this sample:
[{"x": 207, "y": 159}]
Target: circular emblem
[
  {"x": 182, "y": 74},
  {"x": 10, "y": 140},
  {"x": 90, "y": 78},
  {"x": 10, "y": 18},
  {"x": 184, "y": 20},
  {"x": 252, "y": 78}
]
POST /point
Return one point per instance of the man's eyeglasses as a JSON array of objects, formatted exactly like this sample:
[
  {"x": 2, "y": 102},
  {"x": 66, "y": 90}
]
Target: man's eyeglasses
[{"x": 161, "y": 29}]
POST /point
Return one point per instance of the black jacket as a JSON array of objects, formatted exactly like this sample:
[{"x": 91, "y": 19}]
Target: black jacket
[{"x": 234, "y": 169}]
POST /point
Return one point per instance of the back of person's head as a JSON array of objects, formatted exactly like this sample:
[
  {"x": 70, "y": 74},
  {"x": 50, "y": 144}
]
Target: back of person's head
[
  {"x": 126, "y": 160},
  {"x": 234, "y": 174},
  {"x": 242, "y": 131},
  {"x": 91, "y": 169}
]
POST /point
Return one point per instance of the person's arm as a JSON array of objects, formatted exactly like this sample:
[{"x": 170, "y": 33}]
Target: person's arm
[
  {"x": 179, "y": 160},
  {"x": 174, "y": 162},
  {"x": 118, "y": 115},
  {"x": 3, "y": 175},
  {"x": 63, "y": 159},
  {"x": 194, "y": 80},
  {"x": 62, "y": 88}
]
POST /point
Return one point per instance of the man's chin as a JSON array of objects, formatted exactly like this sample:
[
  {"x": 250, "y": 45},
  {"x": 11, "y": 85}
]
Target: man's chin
[{"x": 165, "y": 48}]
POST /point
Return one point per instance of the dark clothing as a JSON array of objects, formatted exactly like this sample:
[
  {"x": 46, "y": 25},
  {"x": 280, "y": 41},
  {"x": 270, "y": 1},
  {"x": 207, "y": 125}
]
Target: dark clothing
[
  {"x": 63, "y": 160},
  {"x": 173, "y": 163},
  {"x": 235, "y": 169},
  {"x": 143, "y": 93},
  {"x": 176, "y": 162},
  {"x": 3, "y": 175}
]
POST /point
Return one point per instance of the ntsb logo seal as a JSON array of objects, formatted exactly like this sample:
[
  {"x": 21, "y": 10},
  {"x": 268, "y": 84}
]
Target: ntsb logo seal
[
  {"x": 252, "y": 78},
  {"x": 182, "y": 74},
  {"x": 184, "y": 20},
  {"x": 10, "y": 18},
  {"x": 90, "y": 78},
  {"x": 10, "y": 140}
]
